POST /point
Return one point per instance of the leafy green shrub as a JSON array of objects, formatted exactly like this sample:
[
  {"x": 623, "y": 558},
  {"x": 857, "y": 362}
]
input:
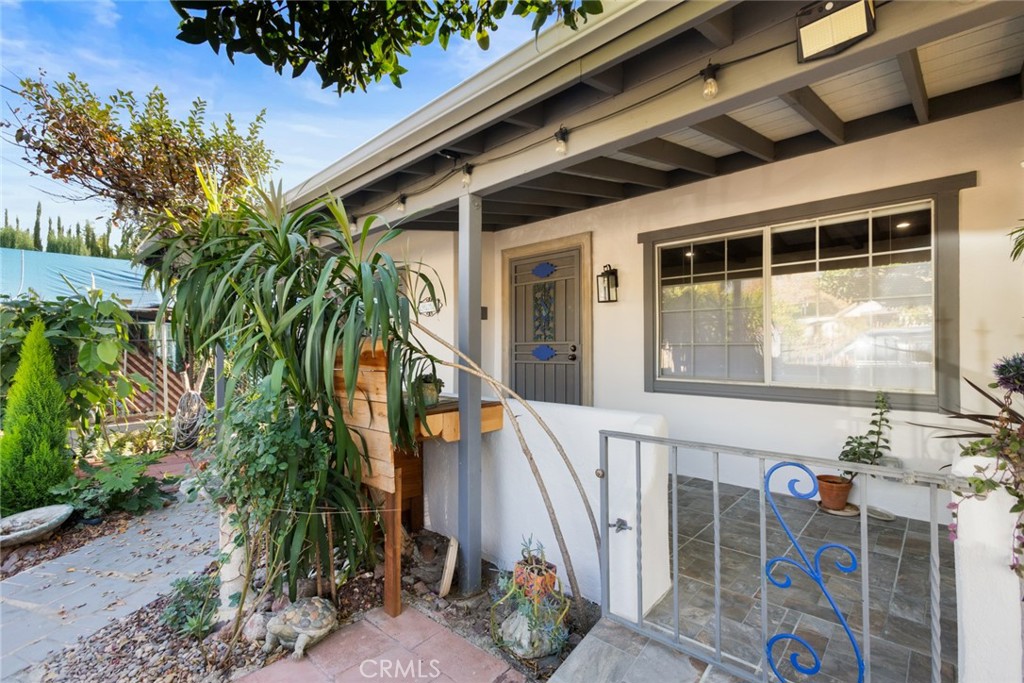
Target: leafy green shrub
[
  {"x": 193, "y": 605},
  {"x": 120, "y": 483},
  {"x": 88, "y": 334},
  {"x": 34, "y": 452}
]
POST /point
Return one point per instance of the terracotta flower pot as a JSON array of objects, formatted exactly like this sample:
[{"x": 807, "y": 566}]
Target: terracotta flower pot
[
  {"x": 535, "y": 580},
  {"x": 834, "y": 491}
]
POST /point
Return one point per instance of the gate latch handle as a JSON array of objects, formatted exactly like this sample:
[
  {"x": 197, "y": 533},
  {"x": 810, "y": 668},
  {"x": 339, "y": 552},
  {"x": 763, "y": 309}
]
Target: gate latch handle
[{"x": 620, "y": 525}]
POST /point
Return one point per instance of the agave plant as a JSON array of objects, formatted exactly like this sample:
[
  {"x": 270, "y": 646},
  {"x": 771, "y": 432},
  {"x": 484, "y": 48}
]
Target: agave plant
[{"x": 283, "y": 291}]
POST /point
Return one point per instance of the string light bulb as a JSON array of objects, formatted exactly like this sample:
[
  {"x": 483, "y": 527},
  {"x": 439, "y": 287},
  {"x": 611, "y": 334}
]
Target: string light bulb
[
  {"x": 401, "y": 204},
  {"x": 562, "y": 141},
  {"x": 467, "y": 175},
  {"x": 709, "y": 74}
]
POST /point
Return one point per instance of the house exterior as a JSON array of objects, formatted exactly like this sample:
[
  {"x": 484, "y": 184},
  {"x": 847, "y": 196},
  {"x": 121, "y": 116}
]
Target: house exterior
[{"x": 814, "y": 232}]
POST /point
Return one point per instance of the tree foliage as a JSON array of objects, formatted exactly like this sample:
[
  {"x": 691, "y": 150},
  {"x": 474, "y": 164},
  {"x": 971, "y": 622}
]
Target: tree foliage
[
  {"x": 285, "y": 292},
  {"x": 354, "y": 44},
  {"x": 130, "y": 152},
  {"x": 34, "y": 449}
]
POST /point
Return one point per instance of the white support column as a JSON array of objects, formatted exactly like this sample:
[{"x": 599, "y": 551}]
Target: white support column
[
  {"x": 470, "y": 225},
  {"x": 988, "y": 593}
]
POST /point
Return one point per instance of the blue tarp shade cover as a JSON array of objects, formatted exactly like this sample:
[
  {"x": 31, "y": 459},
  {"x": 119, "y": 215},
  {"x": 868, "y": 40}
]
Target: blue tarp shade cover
[{"x": 23, "y": 270}]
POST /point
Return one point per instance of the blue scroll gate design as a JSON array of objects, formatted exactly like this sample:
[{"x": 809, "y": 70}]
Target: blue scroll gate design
[
  {"x": 810, "y": 569},
  {"x": 544, "y": 269}
]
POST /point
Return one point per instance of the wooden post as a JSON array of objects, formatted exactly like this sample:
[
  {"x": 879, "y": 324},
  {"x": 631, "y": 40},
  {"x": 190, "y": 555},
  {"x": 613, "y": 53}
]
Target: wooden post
[{"x": 393, "y": 548}]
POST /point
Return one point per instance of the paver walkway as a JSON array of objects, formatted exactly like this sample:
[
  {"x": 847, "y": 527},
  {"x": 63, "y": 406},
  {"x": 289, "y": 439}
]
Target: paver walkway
[
  {"x": 49, "y": 606},
  {"x": 410, "y": 647}
]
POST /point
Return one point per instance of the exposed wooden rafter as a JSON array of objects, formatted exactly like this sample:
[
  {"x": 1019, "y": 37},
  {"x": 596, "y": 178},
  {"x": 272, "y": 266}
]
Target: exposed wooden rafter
[
  {"x": 913, "y": 77},
  {"x": 530, "y": 118},
  {"x": 614, "y": 170},
  {"x": 608, "y": 81},
  {"x": 807, "y": 104},
  {"x": 718, "y": 30},
  {"x": 734, "y": 133},
  {"x": 560, "y": 182},
  {"x": 494, "y": 207},
  {"x": 666, "y": 152},
  {"x": 560, "y": 200}
]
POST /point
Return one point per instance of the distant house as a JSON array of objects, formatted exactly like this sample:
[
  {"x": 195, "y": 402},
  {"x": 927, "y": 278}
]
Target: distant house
[{"x": 814, "y": 232}]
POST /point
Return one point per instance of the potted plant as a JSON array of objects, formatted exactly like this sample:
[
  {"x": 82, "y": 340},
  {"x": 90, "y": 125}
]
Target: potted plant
[
  {"x": 534, "y": 575},
  {"x": 867, "y": 449},
  {"x": 429, "y": 386},
  {"x": 528, "y": 615}
]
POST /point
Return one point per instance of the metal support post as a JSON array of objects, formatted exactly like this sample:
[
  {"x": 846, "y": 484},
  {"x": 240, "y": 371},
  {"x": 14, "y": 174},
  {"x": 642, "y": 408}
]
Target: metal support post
[{"x": 470, "y": 223}]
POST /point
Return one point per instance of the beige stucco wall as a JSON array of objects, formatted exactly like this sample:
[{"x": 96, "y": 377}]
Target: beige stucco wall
[{"x": 992, "y": 287}]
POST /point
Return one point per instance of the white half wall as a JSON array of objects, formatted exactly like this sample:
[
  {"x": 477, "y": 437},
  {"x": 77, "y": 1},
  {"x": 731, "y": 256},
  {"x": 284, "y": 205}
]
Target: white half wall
[{"x": 513, "y": 508}]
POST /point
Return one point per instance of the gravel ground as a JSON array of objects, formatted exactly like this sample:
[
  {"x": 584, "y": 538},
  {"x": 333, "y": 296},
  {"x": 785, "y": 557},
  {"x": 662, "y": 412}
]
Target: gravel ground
[{"x": 140, "y": 649}]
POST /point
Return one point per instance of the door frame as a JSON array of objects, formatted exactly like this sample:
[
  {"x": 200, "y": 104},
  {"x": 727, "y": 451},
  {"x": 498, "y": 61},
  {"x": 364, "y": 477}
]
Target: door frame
[{"x": 581, "y": 241}]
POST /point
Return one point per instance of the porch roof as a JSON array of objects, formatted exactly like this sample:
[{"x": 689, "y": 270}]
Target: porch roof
[{"x": 626, "y": 87}]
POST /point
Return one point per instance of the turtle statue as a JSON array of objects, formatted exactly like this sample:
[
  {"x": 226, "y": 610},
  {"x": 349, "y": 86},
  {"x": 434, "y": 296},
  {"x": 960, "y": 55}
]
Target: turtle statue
[{"x": 300, "y": 625}]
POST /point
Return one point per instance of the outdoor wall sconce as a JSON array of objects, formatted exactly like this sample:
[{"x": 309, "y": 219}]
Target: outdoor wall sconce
[{"x": 608, "y": 285}]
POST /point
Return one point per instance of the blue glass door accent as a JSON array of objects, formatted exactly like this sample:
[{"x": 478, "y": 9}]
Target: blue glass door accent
[
  {"x": 545, "y": 269},
  {"x": 846, "y": 563},
  {"x": 544, "y": 311},
  {"x": 543, "y": 352}
]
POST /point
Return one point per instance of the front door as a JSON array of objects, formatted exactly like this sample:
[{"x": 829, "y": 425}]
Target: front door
[{"x": 545, "y": 317}]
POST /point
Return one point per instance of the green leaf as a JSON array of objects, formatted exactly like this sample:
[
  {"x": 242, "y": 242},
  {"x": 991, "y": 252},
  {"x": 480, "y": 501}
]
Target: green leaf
[{"x": 108, "y": 351}]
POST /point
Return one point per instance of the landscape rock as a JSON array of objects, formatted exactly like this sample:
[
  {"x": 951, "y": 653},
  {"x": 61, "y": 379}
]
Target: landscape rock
[
  {"x": 420, "y": 588},
  {"x": 523, "y": 641},
  {"x": 255, "y": 629}
]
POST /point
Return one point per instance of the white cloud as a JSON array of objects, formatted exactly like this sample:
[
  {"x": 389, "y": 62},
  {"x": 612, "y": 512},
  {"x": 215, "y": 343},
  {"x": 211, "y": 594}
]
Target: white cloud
[{"x": 104, "y": 13}]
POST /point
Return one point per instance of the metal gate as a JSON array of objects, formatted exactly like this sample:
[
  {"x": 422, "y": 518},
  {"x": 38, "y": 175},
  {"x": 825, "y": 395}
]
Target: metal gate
[{"x": 835, "y": 606}]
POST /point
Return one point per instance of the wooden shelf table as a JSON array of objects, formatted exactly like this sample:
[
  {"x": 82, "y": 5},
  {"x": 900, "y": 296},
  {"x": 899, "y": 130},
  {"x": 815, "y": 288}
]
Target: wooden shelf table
[{"x": 395, "y": 472}]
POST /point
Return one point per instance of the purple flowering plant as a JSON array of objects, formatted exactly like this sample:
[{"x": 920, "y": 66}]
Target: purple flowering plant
[{"x": 1002, "y": 439}]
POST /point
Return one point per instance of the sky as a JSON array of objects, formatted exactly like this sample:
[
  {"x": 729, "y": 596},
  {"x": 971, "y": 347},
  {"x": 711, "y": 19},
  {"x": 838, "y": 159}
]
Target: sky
[{"x": 132, "y": 46}]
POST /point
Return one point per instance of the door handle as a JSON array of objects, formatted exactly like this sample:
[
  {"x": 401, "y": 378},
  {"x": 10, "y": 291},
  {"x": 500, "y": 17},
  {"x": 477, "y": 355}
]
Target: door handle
[
  {"x": 572, "y": 347},
  {"x": 572, "y": 356}
]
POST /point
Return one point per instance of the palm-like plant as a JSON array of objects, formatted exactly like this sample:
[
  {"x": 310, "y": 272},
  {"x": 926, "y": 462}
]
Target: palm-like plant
[{"x": 283, "y": 292}]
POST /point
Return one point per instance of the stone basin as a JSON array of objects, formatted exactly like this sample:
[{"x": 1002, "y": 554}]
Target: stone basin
[{"x": 32, "y": 525}]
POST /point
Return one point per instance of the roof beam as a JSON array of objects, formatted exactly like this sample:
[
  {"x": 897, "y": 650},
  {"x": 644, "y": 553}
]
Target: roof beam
[
  {"x": 913, "y": 77},
  {"x": 807, "y": 104},
  {"x": 665, "y": 152},
  {"x": 452, "y": 218},
  {"x": 560, "y": 182},
  {"x": 608, "y": 81},
  {"x": 614, "y": 170},
  {"x": 471, "y": 146},
  {"x": 523, "y": 195},
  {"x": 530, "y": 118},
  {"x": 734, "y": 133},
  {"x": 718, "y": 30},
  {"x": 494, "y": 207},
  {"x": 423, "y": 167}
]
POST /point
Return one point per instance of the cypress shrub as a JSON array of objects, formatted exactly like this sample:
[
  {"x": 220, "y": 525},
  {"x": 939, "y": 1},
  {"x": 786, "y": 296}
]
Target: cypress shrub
[{"x": 34, "y": 454}]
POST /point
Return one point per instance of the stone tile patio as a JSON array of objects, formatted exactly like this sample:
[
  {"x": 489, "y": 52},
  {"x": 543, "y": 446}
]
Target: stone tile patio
[
  {"x": 898, "y": 556},
  {"x": 410, "y": 647}
]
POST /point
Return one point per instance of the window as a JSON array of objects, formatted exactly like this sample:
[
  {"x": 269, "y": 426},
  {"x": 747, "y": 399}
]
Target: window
[{"x": 819, "y": 307}]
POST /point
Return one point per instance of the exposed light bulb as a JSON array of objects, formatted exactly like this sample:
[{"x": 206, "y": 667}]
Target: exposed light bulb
[
  {"x": 562, "y": 141},
  {"x": 467, "y": 175},
  {"x": 401, "y": 204},
  {"x": 904, "y": 224},
  {"x": 708, "y": 73}
]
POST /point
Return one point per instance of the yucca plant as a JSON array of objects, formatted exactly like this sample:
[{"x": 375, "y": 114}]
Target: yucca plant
[{"x": 283, "y": 291}]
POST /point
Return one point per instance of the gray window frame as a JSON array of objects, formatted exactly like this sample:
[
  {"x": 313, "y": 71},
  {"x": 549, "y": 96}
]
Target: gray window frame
[{"x": 944, "y": 193}]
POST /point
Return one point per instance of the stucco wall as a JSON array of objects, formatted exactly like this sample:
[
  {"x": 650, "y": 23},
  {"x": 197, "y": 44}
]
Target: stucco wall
[
  {"x": 513, "y": 508},
  {"x": 991, "y": 286}
]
